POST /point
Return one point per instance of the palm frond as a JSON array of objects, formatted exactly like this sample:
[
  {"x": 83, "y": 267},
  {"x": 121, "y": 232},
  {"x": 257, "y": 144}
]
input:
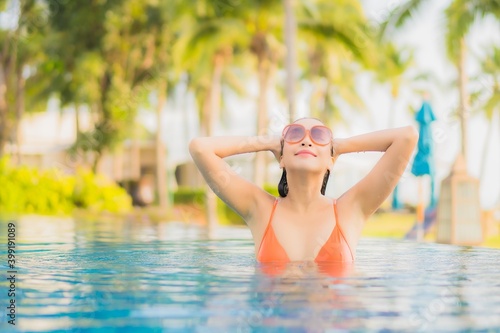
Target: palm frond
[
  {"x": 399, "y": 16},
  {"x": 327, "y": 32},
  {"x": 234, "y": 82}
]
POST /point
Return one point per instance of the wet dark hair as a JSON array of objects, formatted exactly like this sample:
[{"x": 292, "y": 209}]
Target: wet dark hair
[{"x": 283, "y": 184}]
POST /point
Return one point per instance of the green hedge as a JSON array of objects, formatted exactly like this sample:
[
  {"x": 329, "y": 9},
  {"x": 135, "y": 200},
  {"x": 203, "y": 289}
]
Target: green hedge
[
  {"x": 272, "y": 189},
  {"x": 98, "y": 193},
  {"x": 187, "y": 195},
  {"x": 30, "y": 190}
]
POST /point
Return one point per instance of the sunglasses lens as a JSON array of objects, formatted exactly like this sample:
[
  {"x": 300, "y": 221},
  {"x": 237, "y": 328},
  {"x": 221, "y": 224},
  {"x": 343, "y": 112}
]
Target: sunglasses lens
[
  {"x": 321, "y": 135},
  {"x": 294, "y": 133}
]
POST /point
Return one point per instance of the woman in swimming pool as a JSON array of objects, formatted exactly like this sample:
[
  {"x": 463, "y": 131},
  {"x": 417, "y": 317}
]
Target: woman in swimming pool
[{"x": 303, "y": 224}]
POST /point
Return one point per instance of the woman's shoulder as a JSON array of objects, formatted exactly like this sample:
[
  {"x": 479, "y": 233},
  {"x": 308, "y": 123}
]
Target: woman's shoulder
[
  {"x": 259, "y": 218},
  {"x": 265, "y": 201},
  {"x": 348, "y": 205},
  {"x": 350, "y": 218}
]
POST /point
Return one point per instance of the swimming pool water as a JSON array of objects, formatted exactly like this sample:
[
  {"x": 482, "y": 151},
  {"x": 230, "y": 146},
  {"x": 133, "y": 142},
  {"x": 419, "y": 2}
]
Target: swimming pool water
[{"x": 139, "y": 276}]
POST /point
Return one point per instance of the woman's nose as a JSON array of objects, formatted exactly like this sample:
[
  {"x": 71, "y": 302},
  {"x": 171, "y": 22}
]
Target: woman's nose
[{"x": 306, "y": 141}]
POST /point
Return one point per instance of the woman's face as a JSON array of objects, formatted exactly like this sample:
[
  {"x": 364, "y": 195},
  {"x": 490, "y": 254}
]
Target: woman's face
[{"x": 306, "y": 154}]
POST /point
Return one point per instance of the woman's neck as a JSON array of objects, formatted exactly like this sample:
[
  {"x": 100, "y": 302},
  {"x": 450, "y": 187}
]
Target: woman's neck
[{"x": 304, "y": 191}]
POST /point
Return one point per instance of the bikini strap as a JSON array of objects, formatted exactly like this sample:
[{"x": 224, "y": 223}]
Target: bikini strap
[
  {"x": 268, "y": 223},
  {"x": 339, "y": 228},
  {"x": 335, "y": 210}
]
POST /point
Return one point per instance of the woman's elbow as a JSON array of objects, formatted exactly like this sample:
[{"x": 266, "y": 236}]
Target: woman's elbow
[
  {"x": 411, "y": 134},
  {"x": 196, "y": 146}
]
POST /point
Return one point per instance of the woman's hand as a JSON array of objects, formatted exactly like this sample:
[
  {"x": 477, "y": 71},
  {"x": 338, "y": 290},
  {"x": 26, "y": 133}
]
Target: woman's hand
[
  {"x": 276, "y": 147},
  {"x": 336, "y": 145}
]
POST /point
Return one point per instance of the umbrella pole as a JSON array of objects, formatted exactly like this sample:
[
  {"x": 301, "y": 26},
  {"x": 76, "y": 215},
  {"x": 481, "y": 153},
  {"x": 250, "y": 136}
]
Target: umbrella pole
[{"x": 420, "y": 211}]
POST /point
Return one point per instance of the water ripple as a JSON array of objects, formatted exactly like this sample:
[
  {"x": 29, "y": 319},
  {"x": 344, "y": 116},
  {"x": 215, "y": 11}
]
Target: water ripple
[{"x": 92, "y": 277}]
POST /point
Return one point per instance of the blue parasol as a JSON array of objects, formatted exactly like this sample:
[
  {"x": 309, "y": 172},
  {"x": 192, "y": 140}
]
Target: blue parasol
[
  {"x": 396, "y": 203},
  {"x": 423, "y": 164}
]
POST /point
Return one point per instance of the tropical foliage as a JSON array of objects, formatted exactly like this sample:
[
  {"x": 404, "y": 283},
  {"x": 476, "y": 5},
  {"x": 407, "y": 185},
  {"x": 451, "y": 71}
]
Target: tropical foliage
[
  {"x": 460, "y": 17},
  {"x": 29, "y": 190},
  {"x": 113, "y": 57}
]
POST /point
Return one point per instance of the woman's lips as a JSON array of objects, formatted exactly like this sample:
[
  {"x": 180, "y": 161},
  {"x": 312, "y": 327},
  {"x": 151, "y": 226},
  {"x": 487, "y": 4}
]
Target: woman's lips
[{"x": 305, "y": 152}]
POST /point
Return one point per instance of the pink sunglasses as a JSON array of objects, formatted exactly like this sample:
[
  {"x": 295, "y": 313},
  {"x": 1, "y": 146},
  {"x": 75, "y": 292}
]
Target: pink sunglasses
[{"x": 320, "y": 135}]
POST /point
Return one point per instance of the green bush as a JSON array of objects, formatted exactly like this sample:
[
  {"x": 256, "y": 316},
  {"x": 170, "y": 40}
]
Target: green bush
[
  {"x": 187, "y": 195},
  {"x": 98, "y": 193},
  {"x": 272, "y": 189},
  {"x": 30, "y": 190},
  {"x": 227, "y": 216}
]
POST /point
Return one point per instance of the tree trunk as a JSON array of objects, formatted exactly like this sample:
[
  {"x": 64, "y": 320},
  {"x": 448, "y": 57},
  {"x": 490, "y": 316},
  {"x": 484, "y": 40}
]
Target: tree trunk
[
  {"x": 3, "y": 109},
  {"x": 19, "y": 112},
  {"x": 484, "y": 156},
  {"x": 324, "y": 113},
  {"x": 8, "y": 58},
  {"x": 135, "y": 151},
  {"x": 185, "y": 113},
  {"x": 392, "y": 111},
  {"x": 161, "y": 176},
  {"x": 290, "y": 32},
  {"x": 260, "y": 157},
  {"x": 313, "y": 98},
  {"x": 97, "y": 162},
  {"x": 77, "y": 121},
  {"x": 215, "y": 91},
  {"x": 395, "y": 192},
  {"x": 464, "y": 97},
  {"x": 211, "y": 109}
]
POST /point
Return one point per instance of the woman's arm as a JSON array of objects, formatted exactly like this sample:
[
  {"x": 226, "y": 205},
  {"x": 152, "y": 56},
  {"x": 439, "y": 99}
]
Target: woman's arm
[
  {"x": 234, "y": 190},
  {"x": 371, "y": 191}
]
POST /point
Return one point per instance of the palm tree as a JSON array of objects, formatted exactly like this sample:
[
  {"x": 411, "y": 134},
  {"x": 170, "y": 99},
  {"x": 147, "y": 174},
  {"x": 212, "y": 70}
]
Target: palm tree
[
  {"x": 19, "y": 54},
  {"x": 204, "y": 52},
  {"x": 393, "y": 67},
  {"x": 82, "y": 74},
  {"x": 339, "y": 28},
  {"x": 163, "y": 28},
  {"x": 110, "y": 59},
  {"x": 337, "y": 44},
  {"x": 264, "y": 23},
  {"x": 334, "y": 85},
  {"x": 488, "y": 99},
  {"x": 290, "y": 37},
  {"x": 7, "y": 63},
  {"x": 460, "y": 15}
]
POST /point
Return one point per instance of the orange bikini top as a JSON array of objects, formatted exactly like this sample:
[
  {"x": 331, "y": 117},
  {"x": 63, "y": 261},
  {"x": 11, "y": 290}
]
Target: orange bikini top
[{"x": 336, "y": 248}]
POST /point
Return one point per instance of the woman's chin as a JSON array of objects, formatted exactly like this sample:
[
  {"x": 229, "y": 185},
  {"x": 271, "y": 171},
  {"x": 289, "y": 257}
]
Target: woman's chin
[{"x": 304, "y": 168}]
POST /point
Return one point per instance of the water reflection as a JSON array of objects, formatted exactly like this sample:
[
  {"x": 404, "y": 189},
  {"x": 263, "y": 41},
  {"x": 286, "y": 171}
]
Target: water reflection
[
  {"x": 90, "y": 274},
  {"x": 301, "y": 294}
]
